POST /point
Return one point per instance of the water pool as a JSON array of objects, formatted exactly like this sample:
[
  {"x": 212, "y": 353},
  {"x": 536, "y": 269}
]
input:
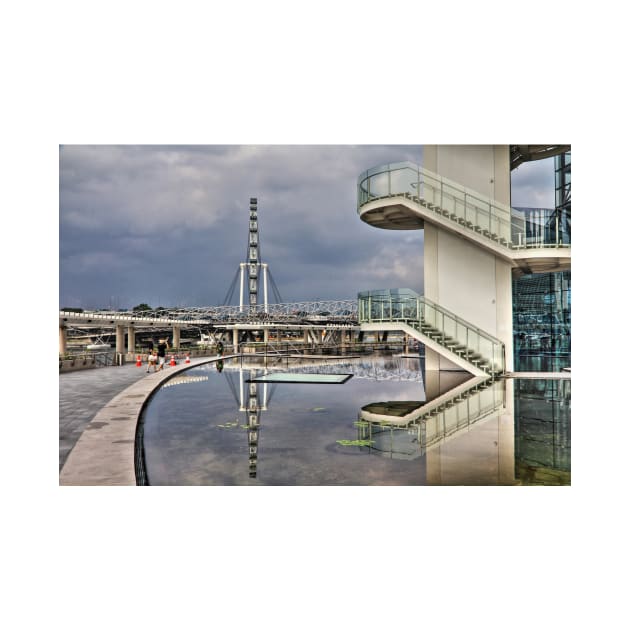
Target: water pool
[{"x": 383, "y": 426}]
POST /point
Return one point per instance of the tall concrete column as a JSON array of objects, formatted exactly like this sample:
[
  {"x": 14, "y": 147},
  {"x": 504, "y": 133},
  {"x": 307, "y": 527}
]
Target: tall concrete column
[
  {"x": 131, "y": 339},
  {"x": 266, "y": 335},
  {"x": 120, "y": 338},
  {"x": 235, "y": 339},
  {"x": 459, "y": 276},
  {"x": 176, "y": 331},
  {"x": 63, "y": 340}
]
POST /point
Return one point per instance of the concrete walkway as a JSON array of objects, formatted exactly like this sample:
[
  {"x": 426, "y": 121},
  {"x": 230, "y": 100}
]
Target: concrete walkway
[
  {"x": 83, "y": 394},
  {"x": 98, "y": 413}
]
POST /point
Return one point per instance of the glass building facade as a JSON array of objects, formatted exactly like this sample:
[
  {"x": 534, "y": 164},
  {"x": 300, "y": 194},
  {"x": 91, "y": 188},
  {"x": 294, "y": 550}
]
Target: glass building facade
[
  {"x": 542, "y": 322},
  {"x": 542, "y": 226},
  {"x": 563, "y": 189},
  {"x": 542, "y": 302},
  {"x": 542, "y": 431}
]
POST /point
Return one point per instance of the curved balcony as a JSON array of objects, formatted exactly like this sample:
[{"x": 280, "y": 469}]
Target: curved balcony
[{"x": 412, "y": 195}]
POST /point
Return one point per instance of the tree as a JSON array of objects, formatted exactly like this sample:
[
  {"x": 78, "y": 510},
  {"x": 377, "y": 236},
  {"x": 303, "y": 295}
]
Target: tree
[{"x": 142, "y": 307}]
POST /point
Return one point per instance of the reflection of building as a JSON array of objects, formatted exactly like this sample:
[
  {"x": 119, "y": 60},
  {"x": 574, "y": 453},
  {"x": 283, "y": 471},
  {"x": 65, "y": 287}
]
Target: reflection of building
[{"x": 542, "y": 415}]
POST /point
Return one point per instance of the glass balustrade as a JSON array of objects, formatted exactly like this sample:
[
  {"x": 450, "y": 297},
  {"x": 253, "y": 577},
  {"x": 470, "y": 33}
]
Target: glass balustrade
[
  {"x": 504, "y": 225},
  {"x": 444, "y": 327}
]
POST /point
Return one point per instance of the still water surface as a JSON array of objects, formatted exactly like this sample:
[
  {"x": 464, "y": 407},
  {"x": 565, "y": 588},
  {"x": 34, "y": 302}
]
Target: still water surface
[{"x": 206, "y": 427}]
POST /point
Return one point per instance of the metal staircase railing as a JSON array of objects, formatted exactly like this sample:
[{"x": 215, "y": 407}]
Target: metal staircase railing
[
  {"x": 435, "y": 322},
  {"x": 505, "y": 226}
]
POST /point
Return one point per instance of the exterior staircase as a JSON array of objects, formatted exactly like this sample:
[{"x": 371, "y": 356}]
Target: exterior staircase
[{"x": 436, "y": 327}]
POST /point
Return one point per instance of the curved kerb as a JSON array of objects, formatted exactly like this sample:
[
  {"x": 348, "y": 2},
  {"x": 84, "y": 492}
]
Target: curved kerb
[{"x": 104, "y": 455}]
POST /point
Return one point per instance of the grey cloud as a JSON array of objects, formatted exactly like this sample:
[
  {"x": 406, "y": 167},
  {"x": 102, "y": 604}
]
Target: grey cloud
[
  {"x": 533, "y": 184},
  {"x": 168, "y": 224}
]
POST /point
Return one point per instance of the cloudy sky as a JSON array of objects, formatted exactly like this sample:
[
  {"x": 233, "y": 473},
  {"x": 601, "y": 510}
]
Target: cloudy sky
[{"x": 168, "y": 225}]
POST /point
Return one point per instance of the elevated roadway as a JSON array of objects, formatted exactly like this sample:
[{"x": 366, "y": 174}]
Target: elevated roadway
[{"x": 313, "y": 321}]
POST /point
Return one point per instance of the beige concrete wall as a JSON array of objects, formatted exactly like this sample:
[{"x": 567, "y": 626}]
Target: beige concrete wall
[
  {"x": 458, "y": 275},
  {"x": 467, "y": 280},
  {"x": 481, "y": 167},
  {"x": 504, "y": 315}
]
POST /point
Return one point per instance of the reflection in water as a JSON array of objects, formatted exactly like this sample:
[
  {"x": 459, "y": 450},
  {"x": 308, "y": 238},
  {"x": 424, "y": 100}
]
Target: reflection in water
[
  {"x": 542, "y": 431},
  {"x": 252, "y": 403},
  {"x": 543, "y": 363},
  {"x": 464, "y": 431},
  {"x": 407, "y": 429}
]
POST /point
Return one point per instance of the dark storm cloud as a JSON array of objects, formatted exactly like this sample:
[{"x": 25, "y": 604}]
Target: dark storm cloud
[{"x": 168, "y": 224}]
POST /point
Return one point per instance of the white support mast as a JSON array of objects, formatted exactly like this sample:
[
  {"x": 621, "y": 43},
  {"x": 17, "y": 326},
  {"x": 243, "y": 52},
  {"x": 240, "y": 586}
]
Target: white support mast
[{"x": 240, "y": 304}]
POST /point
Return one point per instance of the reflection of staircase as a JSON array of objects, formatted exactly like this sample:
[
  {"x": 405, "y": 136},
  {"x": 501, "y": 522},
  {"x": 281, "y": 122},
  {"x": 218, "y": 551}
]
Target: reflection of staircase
[
  {"x": 397, "y": 430},
  {"x": 439, "y": 329}
]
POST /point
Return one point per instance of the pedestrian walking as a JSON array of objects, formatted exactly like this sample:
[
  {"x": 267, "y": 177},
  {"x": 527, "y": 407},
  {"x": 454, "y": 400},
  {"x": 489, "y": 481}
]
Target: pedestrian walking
[
  {"x": 161, "y": 353},
  {"x": 152, "y": 360}
]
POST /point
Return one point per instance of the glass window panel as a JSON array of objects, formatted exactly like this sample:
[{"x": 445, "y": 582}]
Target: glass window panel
[{"x": 379, "y": 185}]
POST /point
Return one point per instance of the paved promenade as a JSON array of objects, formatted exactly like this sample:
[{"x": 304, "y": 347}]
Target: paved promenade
[
  {"x": 83, "y": 394},
  {"x": 98, "y": 413}
]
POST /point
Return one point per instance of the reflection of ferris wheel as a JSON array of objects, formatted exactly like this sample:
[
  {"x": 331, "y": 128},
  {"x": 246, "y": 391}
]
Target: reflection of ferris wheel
[{"x": 252, "y": 401}]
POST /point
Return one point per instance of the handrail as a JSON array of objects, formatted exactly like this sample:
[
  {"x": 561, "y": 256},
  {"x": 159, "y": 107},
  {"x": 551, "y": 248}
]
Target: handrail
[
  {"x": 461, "y": 320},
  {"x": 446, "y": 328},
  {"x": 506, "y": 226}
]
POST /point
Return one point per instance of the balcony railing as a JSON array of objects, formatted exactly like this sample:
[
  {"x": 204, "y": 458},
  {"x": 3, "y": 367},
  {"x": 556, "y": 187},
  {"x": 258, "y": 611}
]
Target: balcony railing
[{"x": 469, "y": 209}]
